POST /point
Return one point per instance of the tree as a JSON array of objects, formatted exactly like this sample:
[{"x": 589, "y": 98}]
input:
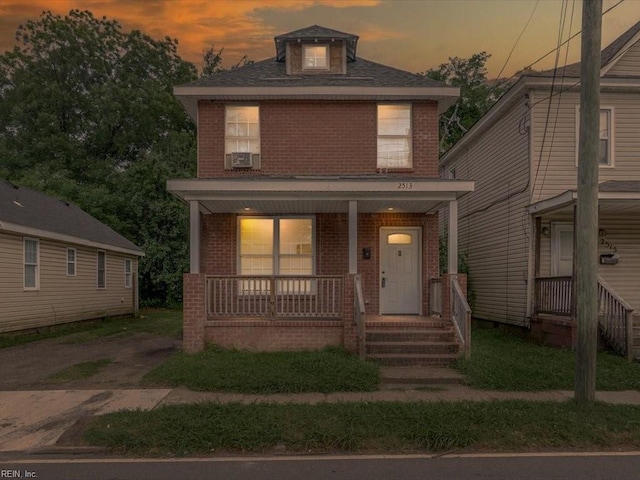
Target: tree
[
  {"x": 212, "y": 61},
  {"x": 87, "y": 114},
  {"x": 476, "y": 95}
]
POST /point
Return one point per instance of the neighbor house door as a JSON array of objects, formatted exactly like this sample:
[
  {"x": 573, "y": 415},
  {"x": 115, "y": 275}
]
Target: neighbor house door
[
  {"x": 561, "y": 249},
  {"x": 400, "y": 267}
]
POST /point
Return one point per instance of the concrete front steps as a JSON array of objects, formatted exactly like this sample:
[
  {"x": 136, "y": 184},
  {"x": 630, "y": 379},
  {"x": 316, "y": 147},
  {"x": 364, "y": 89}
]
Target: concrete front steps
[
  {"x": 406, "y": 378},
  {"x": 424, "y": 341}
]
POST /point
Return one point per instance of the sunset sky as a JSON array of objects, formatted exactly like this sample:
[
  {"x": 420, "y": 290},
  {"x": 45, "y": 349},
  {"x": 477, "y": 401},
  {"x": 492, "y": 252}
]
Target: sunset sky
[{"x": 413, "y": 35}]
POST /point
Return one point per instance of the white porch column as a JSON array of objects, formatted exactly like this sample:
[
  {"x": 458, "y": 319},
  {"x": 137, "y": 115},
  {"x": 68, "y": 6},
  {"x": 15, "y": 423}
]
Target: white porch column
[
  {"x": 194, "y": 236},
  {"x": 353, "y": 236},
  {"x": 453, "y": 238}
]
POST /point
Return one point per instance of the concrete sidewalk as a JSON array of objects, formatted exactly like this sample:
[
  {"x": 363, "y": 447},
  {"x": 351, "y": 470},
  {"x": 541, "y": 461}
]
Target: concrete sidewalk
[{"x": 31, "y": 421}]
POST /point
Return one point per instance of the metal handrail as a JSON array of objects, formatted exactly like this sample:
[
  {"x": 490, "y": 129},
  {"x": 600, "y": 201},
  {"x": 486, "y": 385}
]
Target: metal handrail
[{"x": 359, "y": 313}]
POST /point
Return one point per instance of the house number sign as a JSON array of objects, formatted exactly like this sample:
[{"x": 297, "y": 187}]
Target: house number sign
[{"x": 405, "y": 185}]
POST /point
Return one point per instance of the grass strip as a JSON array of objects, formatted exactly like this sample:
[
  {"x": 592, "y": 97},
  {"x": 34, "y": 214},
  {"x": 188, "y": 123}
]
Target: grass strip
[
  {"x": 79, "y": 371},
  {"x": 215, "y": 369},
  {"x": 502, "y": 361},
  {"x": 180, "y": 430},
  {"x": 156, "y": 321}
]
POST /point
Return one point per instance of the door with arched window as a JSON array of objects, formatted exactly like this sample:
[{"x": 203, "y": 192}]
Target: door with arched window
[{"x": 400, "y": 266}]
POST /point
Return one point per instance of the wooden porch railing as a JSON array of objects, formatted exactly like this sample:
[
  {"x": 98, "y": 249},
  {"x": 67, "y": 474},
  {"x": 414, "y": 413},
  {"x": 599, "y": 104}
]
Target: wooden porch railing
[
  {"x": 435, "y": 296},
  {"x": 461, "y": 316},
  {"x": 554, "y": 295},
  {"x": 313, "y": 296},
  {"x": 359, "y": 314}
]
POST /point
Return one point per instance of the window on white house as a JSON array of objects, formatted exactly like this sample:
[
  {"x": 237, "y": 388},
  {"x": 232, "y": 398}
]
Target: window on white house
[
  {"x": 276, "y": 246},
  {"x": 102, "y": 269},
  {"x": 31, "y": 264},
  {"x": 394, "y": 136},
  {"x": 71, "y": 262},
  {"x": 606, "y": 150},
  {"x": 127, "y": 273},
  {"x": 315, "y": 57},
  {"x": 242, "y": 134}
]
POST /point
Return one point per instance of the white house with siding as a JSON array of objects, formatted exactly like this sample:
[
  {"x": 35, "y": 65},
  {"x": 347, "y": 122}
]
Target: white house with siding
[
  {"x": 58, "y": 264},
  {"x": 516, "y": 227}
]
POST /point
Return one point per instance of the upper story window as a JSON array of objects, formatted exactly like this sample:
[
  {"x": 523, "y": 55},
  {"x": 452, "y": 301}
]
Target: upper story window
[
  {"x": 242, "y": 136},
  {"x": 394, "y": 136},
  {"x": 606, "y": 150},
  {"x": 315, "y": 57},
  {"x": 31, "y": 264}
]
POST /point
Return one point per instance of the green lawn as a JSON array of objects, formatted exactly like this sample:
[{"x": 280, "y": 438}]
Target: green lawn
[
  {"x": 203, "y": 429},
  {"x": 501, "y": 361},
  {"x": 215, "y": 369},
  {"x": 156, "y": 321}
]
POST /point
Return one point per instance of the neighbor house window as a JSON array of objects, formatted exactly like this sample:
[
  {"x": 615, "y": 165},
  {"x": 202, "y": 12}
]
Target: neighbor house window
[
  {"x": 127, "y": 273},
  {"x": 102, "y": 269},
  {"x": 605, "y": 152},
  {"x": 31, "y": 264},
  {"x": 394, "y": 136},
  {"x": 315, "y": 57},
  {"x": 71, "y": 262},
  {"x": 276, "y": 246}
]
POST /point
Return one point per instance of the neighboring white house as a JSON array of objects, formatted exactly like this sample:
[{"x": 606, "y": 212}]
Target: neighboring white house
[
  {"x": 58, "y": 264},
  {"x": 516, "y": 228}
]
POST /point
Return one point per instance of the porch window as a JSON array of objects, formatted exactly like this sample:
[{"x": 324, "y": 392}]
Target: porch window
[
  {"x": 71, "y": 262},
  {"x": 102, "y": 269},
  {"x": 242, "y": 135},
  {"x": 394, "y": 136},
  {"x": 315, "y": 57},
  {"x": 605, "y": 154},
  {"x": 275, "y": 246},
  {"x": 31, "y": 264}
]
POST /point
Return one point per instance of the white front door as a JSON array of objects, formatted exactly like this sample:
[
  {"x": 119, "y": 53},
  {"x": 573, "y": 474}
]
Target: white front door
[
  {"x": 561, "y": 249},
  {"x": 400, "y": 267}
]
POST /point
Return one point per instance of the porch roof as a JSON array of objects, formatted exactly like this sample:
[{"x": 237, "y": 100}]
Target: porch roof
[
  {"x": 614, "y": 196},
  {"x": 319, "y": 194}
]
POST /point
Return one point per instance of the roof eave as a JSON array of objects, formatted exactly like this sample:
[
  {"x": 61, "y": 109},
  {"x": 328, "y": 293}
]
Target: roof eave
[{"x": 189, "y": 95}]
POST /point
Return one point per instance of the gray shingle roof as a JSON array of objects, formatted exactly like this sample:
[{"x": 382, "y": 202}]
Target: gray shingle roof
[
  {"x": 271, "y": 73},
  {"x": 316, "y": 32},
  {"x": 29, "y": 208},
  {"x": 611, "y": 52}
]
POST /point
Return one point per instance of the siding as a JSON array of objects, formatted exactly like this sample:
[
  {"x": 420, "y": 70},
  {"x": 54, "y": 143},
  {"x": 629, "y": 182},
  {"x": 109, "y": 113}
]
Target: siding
[
  {"x": 554, "y": 164},
  {"x": 60, "y": 298},
  {"x": 628, "y": 64},
  {"x": 493, "y": 223}
]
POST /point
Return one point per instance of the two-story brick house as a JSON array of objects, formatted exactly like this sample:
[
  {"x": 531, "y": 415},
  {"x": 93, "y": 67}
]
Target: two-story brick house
[{"x": 316, "y": 199}]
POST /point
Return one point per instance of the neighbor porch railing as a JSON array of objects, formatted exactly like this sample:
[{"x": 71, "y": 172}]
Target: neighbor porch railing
[
  {"x": 554, "y": 296},
  {"x": 359, "y": 313},
  {"x": 461, "y": 316},
  {"x": 312, "y": 296}
]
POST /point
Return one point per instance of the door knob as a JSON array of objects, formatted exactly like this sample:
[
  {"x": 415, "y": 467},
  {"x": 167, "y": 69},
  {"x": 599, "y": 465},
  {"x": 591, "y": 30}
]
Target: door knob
[{"x": 384, "y": 282}]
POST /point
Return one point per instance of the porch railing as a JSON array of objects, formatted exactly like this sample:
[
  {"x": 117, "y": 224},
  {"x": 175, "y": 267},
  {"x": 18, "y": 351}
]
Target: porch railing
[
  {"x": 359, "y": 313},
  {"x": 554, "y": 295},
  {"x": 435, "y": 296},
  {"x": 461, "y": 316},
  {"x": 312, "y": 296}
]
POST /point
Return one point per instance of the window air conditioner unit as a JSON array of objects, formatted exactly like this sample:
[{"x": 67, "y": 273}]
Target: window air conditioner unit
[{"x": 241, "y": 160}]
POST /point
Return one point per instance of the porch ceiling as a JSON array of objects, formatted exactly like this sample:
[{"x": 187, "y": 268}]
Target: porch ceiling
[{"x": 304, "y": 195}]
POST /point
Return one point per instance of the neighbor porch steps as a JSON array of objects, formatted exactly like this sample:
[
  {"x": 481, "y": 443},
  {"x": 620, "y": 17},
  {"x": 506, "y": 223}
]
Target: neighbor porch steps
[{"x": 425, "y": 341}]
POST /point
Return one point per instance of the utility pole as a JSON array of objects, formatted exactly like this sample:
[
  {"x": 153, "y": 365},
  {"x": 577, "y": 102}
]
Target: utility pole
[{"x": 586, "y": 230}]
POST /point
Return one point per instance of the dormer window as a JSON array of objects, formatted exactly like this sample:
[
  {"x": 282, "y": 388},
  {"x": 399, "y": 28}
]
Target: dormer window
[{"x": 315, "y": 57}]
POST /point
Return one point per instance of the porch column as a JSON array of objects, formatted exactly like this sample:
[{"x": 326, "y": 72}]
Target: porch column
[
  {"x": 194, "y": 236},
  {"x": 353, "y": 237},
  {"x": 453, "y": 238}
]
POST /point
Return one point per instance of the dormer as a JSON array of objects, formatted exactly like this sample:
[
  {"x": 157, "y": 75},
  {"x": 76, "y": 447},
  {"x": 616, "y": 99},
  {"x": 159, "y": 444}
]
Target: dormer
[{"x": 316, "y": 50}]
